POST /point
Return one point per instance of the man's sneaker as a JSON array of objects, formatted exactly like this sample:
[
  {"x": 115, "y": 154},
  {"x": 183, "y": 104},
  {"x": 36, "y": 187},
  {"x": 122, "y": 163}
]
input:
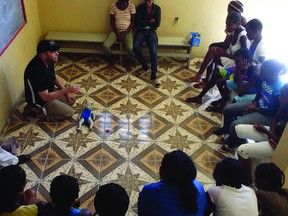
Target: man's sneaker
[
  {"x": 225, "y": 149},
  {"x": 28, "y": 112}
]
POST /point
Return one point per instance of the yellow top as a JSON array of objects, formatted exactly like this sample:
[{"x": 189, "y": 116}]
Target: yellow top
[{"x": 27, "y": 210}]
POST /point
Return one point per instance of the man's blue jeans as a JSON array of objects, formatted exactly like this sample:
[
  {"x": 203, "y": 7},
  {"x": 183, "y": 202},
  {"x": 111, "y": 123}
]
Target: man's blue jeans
[{"x": 151, "y": 39}]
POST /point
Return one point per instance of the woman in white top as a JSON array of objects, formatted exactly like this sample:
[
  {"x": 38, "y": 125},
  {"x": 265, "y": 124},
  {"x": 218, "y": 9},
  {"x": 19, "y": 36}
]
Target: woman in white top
[
  {"x": 229, "y": 197},
  {"x": 235, "y": 39}
]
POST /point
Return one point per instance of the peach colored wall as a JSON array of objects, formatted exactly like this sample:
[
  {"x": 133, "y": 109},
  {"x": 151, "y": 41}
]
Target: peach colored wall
[
  {"x": 204, "y": 16},
  {"x": 13, "y": 61}
]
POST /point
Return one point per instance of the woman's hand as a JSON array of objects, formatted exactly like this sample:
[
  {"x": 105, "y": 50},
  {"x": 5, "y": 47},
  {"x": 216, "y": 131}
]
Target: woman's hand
[
  {"x": 228, "y": 33},
  {"x": 251, "y": 108},
  {"x": 260, "y": 128},
  {"x": 272, "y": 142}
]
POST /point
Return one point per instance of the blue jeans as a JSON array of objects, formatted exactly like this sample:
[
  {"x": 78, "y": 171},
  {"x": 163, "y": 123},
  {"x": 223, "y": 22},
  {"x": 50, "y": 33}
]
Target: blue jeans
[
  {"x": 151, "y": 39},
  {"x": 233, "y": 115}
]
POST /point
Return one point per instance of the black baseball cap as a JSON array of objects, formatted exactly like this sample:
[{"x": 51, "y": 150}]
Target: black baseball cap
[{"x": 47, "y": 45}]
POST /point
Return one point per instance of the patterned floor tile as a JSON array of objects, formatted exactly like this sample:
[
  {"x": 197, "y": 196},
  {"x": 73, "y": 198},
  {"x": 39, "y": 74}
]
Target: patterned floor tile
[
  {"x": 177, "y": 138},
  {"x": 107, "y": 96},
  {"x": 150, "y": 96},
  {"x": 205, "y": 159},
  {"x": 158, "y": 125},
  {"x": 101, "y": 160},
  {"x": 199, "y": 125},
  {"x": 135, "y": 126},
  {"x": 149, "y": 160}
]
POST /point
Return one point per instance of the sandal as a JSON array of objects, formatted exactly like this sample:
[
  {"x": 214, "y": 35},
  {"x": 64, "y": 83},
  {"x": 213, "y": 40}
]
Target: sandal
[
  {"x": 222, "y": 140},
  {"x": 225, "y": 149},
  {"x": 199, "y": 85},
  {"x": 216, "y": 103},
  {"x": 194, "y": 100},
  {"x": 194, "y": 79},
  {"x": 141, "y": 73},
  {"x": 214, "y": 109},
  {"x": 198, "y": 63},
  {"x": 155, "y": 83},
  {"x": 128, "y": 69}
]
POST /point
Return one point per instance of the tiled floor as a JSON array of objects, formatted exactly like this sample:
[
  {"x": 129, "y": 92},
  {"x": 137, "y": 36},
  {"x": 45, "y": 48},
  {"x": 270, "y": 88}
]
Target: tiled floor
[{"x": 135, "y": 126}]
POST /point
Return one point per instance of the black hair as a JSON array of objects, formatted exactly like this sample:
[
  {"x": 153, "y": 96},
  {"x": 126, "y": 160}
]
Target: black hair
[
  {"x": 255, "y": 24},
  {"x": 244, "y": 53},
  {"x": 273, "y": 177},
  {"x": 12, "y": 181},
  {"x": 234, "y": 17},
  {"x": 64, "y": 189},
  {"x": 177, "y": 168},
  {"x": 229, "y": 171},
  {"x": 111, "y": 200},
  {"x": 274, "y": 67},
  {"x": 236, "y": 6}
]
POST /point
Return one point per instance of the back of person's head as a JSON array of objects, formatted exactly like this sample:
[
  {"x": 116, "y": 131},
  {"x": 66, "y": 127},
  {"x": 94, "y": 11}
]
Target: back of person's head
[
  {"x": 110, "y": 200},
  {"x": 12, "y": 181},
  {"x": 229, "y": 171},
  {"x": 244, "y": 53},
  {"x": 177, "y": 168},
  {"x": 234, "y": 17},
  {"x": 271, "y": 69},
  {"x": 236, "y": 6},
  {"x": 254, "y": 24},
  {"x": 64, "y": 190},
  {"x": 269, "y": 177}
]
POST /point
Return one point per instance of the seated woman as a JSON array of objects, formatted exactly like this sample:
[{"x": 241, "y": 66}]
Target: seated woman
[
  {"x": 244, "y": 77},
  {"x": 254, "y": 34},
  {"x": 244, "y": 81},
  {"x": 261, "y": 110},
  {"x": 64, "y": 192},
  {"x": 13, "y": 199},
  {"x": 229, "y": 197},
  {"x": 272, "y": 198},
  {"x": 233, "y": 6},
  {"x": 236, "y": 39},
  {"x": 266, "y": 138},
  {"x": 177, "y": 192}
]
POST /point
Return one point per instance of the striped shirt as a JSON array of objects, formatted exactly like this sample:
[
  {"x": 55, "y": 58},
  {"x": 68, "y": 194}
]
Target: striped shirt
[{"x": 122, "y": 17}]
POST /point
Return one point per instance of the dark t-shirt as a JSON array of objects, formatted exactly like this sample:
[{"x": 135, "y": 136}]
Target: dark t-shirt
[
  {"x": 37, "y": 78},
  {"x": 142, "y": 17}
]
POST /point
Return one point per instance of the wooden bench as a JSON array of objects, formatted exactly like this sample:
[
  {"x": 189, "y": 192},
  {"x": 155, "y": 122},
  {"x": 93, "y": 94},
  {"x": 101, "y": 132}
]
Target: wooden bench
[{"x": 92, "y": 43}]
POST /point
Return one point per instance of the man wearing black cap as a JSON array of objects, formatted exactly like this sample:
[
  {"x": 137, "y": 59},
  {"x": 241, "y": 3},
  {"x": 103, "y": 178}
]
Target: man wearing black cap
[{"x": 40, "y": 81}]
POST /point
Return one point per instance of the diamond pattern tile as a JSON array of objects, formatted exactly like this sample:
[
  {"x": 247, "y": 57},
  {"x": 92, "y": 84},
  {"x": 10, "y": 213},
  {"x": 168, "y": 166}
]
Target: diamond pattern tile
[{"x": 135, "y": 126}]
